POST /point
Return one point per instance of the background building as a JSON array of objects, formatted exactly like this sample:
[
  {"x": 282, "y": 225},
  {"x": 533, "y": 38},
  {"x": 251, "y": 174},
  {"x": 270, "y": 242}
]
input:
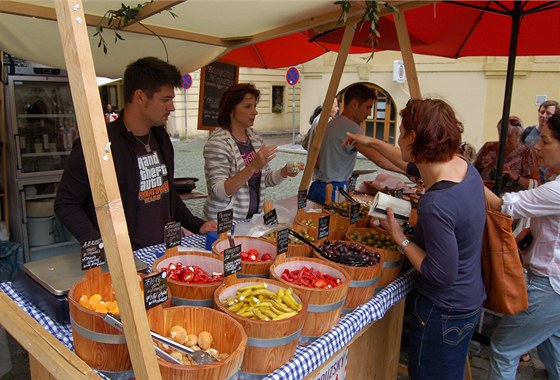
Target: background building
[{"x": 474, "y": 86}]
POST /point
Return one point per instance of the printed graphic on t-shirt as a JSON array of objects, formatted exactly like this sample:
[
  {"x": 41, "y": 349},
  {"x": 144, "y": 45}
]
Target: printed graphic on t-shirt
[
  {"x": 248, "y": 155},
  {"x": 153, "y": 178}
]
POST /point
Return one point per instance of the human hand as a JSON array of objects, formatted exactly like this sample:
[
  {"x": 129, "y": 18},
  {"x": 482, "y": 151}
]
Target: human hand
[
  {"x": 292, "y": 168},
  {"x": 356, "y": 138},
  {"x": 508, "y": 172},
  {"x": 263, "y": 157},
  {"x": 208, "y": 226},
  {"x": 392, "y": 226}
]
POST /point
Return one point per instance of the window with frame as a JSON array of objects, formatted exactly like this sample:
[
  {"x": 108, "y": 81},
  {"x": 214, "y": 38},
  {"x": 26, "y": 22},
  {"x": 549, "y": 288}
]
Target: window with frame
[{"x": 277, "y": 99}]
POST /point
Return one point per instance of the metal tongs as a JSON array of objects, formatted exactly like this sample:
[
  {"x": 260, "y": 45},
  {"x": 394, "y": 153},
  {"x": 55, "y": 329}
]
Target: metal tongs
[
  {"x": 346, "y": 195},
  {"x": 350, "y": 259},
  {"x": 332, "y": 208},
  {"x": 198, "y": 356}
]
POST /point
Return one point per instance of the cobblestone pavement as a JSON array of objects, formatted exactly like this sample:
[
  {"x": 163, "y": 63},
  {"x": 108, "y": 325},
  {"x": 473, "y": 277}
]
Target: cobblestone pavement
[{"x": 190, "y": 163}]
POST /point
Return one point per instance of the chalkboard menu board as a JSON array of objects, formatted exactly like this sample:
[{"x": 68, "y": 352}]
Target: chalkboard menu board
[{"x": 214, "y": 81}]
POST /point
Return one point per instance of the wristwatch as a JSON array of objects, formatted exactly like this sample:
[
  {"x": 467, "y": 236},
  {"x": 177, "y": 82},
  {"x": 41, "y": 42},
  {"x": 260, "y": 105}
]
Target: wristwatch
[{"x": 401, "y": 246}]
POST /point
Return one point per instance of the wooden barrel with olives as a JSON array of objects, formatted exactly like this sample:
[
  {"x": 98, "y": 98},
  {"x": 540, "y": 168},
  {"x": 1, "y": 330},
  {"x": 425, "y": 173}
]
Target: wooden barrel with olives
[
  {"x": 380, "y": 239},
  {"x": 362, "y": 263}
]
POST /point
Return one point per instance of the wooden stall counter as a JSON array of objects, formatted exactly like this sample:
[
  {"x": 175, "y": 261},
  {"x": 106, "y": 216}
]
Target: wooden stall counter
[{"x": 371, "y": 335}]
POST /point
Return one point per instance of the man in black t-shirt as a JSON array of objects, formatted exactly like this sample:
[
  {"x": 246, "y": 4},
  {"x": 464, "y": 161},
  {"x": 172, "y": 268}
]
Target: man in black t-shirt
[{"x": 144, "y": 163}]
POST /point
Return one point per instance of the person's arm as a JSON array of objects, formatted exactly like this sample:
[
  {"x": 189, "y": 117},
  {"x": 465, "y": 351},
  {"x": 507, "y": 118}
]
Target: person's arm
[
  {"x": 375, "y": 148},
  {"x": 376, "y": 157},
  {"x": 73, "y": 203},
  {"x": 190, "y": 221},
  {"x": 414, "y": 253},
  {"x": 494, "y": 201}
]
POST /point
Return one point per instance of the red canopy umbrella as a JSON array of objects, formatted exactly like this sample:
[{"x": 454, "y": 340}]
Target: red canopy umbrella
[
  {"x": 278, "y": 52},
  {"x": 482, "y": 28},
  {"x": 301, "y": 47}
]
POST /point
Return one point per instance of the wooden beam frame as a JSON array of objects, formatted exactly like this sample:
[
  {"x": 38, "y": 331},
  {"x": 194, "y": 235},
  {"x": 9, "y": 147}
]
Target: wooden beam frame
[
  {"x": 155, "y": 7},
  {"x": 408, "y": 57},
  {"x": 321, "y": 22},
  {"x": 313, "y": 151},
  {"x": 104, "y": 186},
  {"x": 48, "y": 353}
]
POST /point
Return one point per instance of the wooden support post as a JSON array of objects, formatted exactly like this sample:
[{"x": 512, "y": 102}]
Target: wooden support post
[
  {"x": 104, "y": 186},
  {"x": 48, "y": 357},
  {"x": 408, "y": 58},
  {"x": 338, "y": 69}
]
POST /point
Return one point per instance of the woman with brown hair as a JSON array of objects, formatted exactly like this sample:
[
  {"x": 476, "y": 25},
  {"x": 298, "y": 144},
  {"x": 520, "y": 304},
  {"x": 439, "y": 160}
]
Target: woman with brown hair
[
  {"x": 447, "y": 240},
  {"x": 236, "y": 159}
]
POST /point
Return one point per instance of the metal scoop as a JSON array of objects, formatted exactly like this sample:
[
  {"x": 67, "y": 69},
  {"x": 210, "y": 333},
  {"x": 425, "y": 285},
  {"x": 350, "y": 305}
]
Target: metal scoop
[{"x": 197, "y": 356}]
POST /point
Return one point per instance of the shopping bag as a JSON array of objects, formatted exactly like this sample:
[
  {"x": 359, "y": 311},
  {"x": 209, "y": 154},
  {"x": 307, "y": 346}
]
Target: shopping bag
[{"x": 502, "y": 270}]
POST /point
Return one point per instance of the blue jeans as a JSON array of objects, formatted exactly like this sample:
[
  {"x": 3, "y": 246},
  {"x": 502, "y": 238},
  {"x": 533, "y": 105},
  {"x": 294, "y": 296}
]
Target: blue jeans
[
  {"x": 317, "y": 190},
  {"x": 538, "y": 326},
  {"x": 439, "y": 341}
]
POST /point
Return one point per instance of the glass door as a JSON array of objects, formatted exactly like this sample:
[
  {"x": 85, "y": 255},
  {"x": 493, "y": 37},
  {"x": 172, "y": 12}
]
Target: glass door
[{"x": 42, "y": 123}]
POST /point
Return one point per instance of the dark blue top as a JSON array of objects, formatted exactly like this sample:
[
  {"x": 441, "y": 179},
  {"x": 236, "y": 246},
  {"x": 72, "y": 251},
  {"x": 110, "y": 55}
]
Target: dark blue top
[{"x": 451, "y": 218}]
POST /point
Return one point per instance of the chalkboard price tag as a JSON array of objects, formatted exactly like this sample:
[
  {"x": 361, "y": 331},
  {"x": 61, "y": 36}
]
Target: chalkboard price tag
[
  {"x": 301, "y": 199},
  {"x": 323, "y": 227},
  {"x": 282, "y": 241},
  {"x": 232, "y": 260},
  {"x": 270, "y": 218},
  {"x": 93, "y": 254},
  {"x": 354, "y": 213},
  {"x": 155, "y": 289},
  {"x": 172, "y": 234},
  {"x": 352, "y": 184},
  {"x": 225, "y": 220}
]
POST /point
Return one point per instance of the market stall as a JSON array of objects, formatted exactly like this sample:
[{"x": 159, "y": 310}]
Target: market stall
[
  {"x": 371, "y": 333},
  {"x": 50, "y": 355}
]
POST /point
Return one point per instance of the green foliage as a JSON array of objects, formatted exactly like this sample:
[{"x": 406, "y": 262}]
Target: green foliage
[
  {"x": 119, "y": 19},
  {"x": 371, "y": 14}
]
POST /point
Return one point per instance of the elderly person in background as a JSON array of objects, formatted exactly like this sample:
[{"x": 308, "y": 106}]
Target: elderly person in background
[
  {"x": 236, "y": 159},
  {"x": 520, "y": 164}
]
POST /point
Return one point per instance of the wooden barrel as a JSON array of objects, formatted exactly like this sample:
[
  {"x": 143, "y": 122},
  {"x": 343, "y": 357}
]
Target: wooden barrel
[
  {"x": 300, "y": 249},
  {"x": 338, "y": 226},
  {"x": 323, "y": 305},
  {"x": 250, "y": 269},
  {"x": 392, "y": 265},
  {"x": 392, "y": 258},
  {"x": 270, "y": 344},
  {"x": 363, "y": 281},
  {"x": 100, "y": 345},
  {"x": 229, "y": 337},
  {"x": 189, "y": 294},
  {"x": 311, "y": 221}
]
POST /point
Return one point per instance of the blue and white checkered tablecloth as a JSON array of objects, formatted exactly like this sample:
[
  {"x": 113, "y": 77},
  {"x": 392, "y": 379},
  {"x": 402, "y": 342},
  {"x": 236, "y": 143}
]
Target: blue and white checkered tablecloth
[{"x": 306, "y": 359}]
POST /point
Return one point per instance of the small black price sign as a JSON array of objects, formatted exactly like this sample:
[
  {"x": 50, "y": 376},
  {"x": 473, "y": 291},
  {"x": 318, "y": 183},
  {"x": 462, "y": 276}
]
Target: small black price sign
[
  {"x": 301, "y": 199},
  {"x": 225, "y": 220},
  {"x": 352, "y": 184},
  {"x": 270, "y": 218},
  {"x": 93, "y": 254},
  {"x": 155, "y": 290},
  {"x": 282, "y": 241},
  {"x": 172, "y": 234},
  {"x": 354, "y": 212},
  {"x": 232, "y": 260},
  {"x": 324, "y": 227}
]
